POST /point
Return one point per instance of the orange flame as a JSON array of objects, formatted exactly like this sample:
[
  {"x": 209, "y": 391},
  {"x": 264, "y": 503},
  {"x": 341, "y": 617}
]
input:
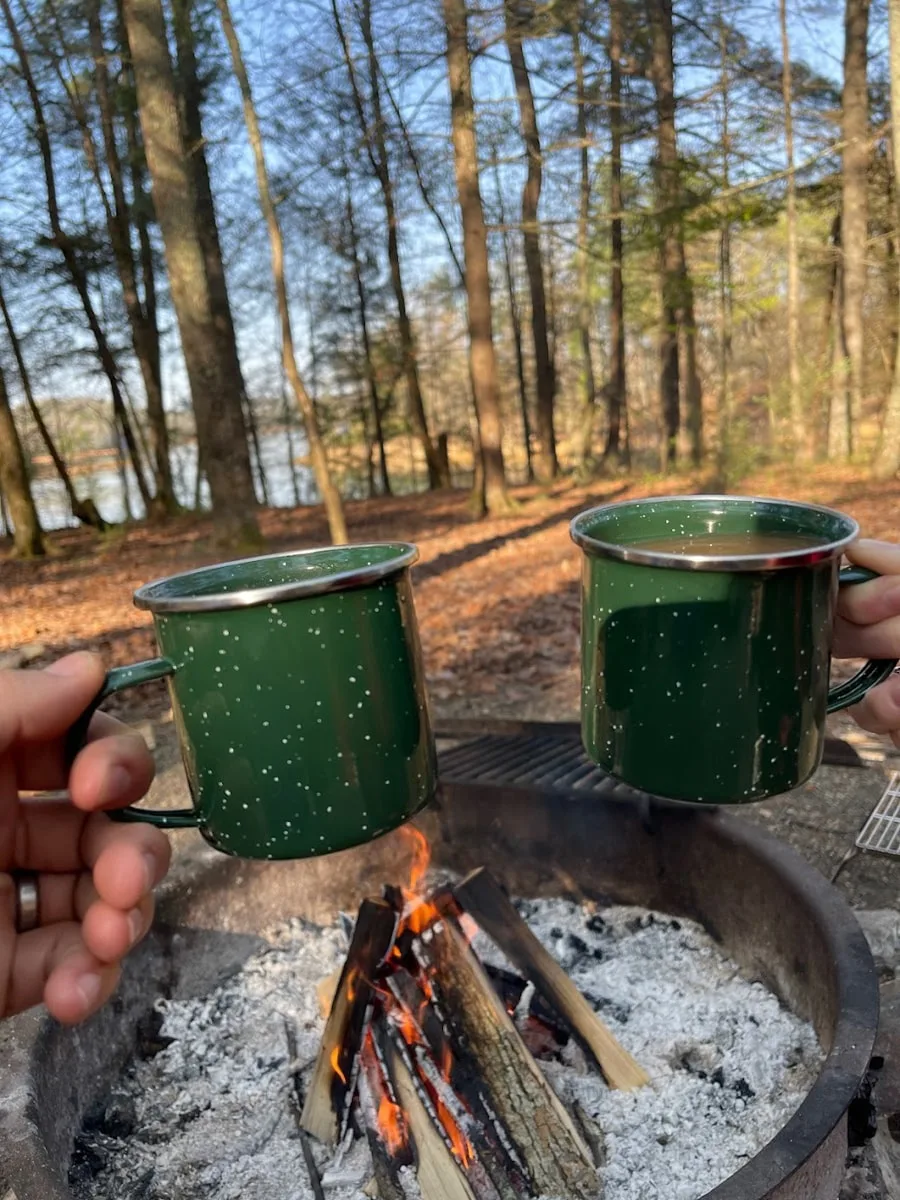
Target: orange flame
[
  {"x": 461, "y": 1146},
  {"x": 336, "y": 1065},
  {"x": 391, "y": 1124},
  {"x": 421, "y": 852}
]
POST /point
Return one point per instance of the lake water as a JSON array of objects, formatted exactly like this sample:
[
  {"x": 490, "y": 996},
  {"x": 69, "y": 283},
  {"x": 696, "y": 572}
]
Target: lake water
[{"x": 105, "y": 485}]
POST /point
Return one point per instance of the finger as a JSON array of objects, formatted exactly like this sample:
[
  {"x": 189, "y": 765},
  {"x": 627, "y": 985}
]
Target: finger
[
  {"x": 879, "y": 710},
  {"x": 883, "y": 557},
  {"x": 54, "y": 965},
  {"x": 111, "y": 773},
  {"x": 867, "y": 641},
  {"x": 127, "y": 860},
  {"x": 110, "y": 933},
  {"x": 869, "y": 603},
  {"x": 49, "y": 770},
  {"x": 41, "y": 705},
  {"x": 64, "y": 897},
  {"x": 48, "y": 833}
]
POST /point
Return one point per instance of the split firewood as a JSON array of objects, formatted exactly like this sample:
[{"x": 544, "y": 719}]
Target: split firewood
[
  {"x": 554, "y": 1155},
  {"x": 331, "y": 1086},
  {"x": 439, "y": 1175},
  {"x": 326, "y": 989},
  {"x": 457, "y": 1076},
  {"x": 488, "y": 905}
]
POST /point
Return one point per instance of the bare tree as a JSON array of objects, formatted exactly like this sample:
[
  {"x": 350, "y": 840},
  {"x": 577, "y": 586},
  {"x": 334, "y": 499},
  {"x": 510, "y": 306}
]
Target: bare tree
[
  {"x": 726, "y": 307},
  {"x": 85, "y": 510},
  {"x": 515, "y": 320},
  {"x": 887, "y": 459},
  {"x": 854, "y": 199},
  {"x": 668, "y": 198},
  {"x": 494, "y": 497},
  {"x": 190, "y": 98},
  {"x": 616, "y": 385},
  {"x": 215, "y": 388},
  {"x": 545, "y": 460},
  {"x": 28, "y": 538},
  {"x": 802, "y": 442},
  {"x": 67, "y": 249},
  {"x": 331, "y": 497},
  {"x": 373, "y": 131},
  {"x": 363, "y": 299},
  {"x": 585, "y": 308},
  {"x": 141, "y": 315}
]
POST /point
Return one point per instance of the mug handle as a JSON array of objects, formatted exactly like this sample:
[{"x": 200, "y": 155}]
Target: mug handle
[
  {"x": 117, "y": 680},
  {"x": 851, "y": 691}
]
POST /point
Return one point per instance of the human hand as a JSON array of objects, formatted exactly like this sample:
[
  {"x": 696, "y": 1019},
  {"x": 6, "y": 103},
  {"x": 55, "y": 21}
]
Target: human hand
[
  {"x": 94, "y": 877},
  {"x": 868, "y": 626}
]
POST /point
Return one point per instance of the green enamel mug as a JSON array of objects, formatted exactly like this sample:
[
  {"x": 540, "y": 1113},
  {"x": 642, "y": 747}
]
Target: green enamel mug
[
  {"x": 298, "y": 695},
  {"x": 706, "y": 642}
]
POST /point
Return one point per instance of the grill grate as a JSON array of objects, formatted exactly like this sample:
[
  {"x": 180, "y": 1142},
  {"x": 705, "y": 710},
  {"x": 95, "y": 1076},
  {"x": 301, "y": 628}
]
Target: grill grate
[
  {"x": 546, "y": 762},
  {"x": 881, "y": 833}
]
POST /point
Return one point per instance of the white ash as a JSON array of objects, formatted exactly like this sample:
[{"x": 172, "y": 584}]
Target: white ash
[{"x": 214, "y": 1117}]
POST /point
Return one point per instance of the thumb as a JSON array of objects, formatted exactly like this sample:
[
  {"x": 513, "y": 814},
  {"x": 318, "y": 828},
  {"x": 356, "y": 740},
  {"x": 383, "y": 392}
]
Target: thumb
[{"x": 37, "y": 706}]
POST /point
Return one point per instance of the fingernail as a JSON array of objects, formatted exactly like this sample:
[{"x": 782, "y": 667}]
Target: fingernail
[
  {"x": 88, "y": 988},
  {"x": 72, "y": 664},
  {"x": 135, "y": 924},
  {"x": 151, "y": 870}
]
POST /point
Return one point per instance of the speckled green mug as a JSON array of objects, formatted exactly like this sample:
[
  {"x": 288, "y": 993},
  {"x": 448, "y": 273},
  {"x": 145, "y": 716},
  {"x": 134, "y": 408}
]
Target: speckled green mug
[
  {"x": 706, "y": 679},
  {"x": 299, "y": 698}
]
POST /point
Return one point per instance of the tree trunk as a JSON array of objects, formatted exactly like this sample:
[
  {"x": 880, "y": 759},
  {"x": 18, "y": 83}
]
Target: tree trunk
[
  {"x": 802, "y": 442},
  {"x": 494, "y": 496},
  {"x": 190, "y": 99},
  {"x": 331, "y": 497},
  {"x": 887, "y": 459},
  {"x": 28, "y": 540},
  {"x": 68, "y": 252},
  {"x": 84, "y": 511},
  {"x": 141, "y": 202},
  {"x": 144, "y": 332},
  {"x": 373, "y": 134},
  {"x": 215, "y": 386},
  {"x": 725, "y": 288},
  {"x": 374, "y": 403},
  {"x": 545, "y": 461},
  {"x": 854, "y": 200},
  {"x": 616, "y": 385},
  {"x": 584, "y": 450},
  {"x": 687, "y": 328},
  {"x": 669, "y": 219},
  {"x": 516, "y": 324},
  {"x": 839, "y": 434}
]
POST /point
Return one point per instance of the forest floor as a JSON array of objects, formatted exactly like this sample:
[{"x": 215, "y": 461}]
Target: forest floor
[{"x": 497, "y": 599}]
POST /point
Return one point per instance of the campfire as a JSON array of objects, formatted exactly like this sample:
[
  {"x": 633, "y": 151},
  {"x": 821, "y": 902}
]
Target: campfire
[{"x": 422, "y": 1057}]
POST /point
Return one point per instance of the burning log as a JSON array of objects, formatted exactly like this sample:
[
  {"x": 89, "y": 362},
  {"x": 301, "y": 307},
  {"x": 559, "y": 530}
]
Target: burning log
[
  {"x": 331, "y": 1088},
  {"x": 542, "y": 1132},
  {"x": 488, "y": 905},
  {"x": 439, "y": 1175}
]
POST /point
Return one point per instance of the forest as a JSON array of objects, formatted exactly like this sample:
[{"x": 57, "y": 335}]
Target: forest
[{"x": 383, "y": 248}]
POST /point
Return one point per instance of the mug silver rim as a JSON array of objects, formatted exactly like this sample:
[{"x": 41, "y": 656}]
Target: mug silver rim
[
  {"x": 805, "y": 557},
  {"x": 334, "y": 581}
]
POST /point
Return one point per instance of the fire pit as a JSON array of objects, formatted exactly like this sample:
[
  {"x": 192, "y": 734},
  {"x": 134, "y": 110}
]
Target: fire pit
[{"x": 767, "y": 909}]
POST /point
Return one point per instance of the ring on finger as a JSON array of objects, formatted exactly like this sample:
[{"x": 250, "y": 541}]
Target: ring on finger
[{"x": 28, "y": 901}]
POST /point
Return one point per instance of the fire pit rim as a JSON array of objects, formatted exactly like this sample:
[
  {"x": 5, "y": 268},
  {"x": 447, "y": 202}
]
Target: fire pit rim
[
  {"x": 813, "y": 1132},
  {"x": 837, "y": 1083}
]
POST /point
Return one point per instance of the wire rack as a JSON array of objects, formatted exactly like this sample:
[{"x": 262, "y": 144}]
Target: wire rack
[{"x": 881, "y": 833}]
